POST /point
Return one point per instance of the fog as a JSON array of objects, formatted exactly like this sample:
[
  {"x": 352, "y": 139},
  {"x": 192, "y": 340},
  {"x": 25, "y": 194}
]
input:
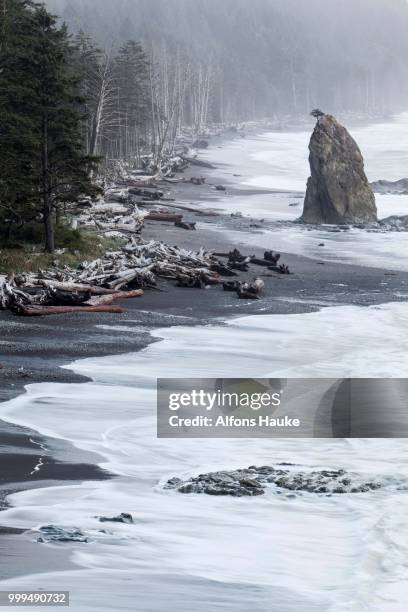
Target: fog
[{"x": 269, "y": 57}]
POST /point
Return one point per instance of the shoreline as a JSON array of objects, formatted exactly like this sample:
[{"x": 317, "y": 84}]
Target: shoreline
[{"x": 311, "y": 287}]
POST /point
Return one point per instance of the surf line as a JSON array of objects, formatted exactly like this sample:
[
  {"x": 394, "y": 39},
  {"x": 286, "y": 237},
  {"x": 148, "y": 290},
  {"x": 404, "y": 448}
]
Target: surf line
[{"x": 40, "y": 462}]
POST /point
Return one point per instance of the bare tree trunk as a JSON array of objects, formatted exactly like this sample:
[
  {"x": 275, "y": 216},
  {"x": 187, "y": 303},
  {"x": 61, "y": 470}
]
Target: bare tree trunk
[
  {"x": 294, "y": 87},
  {"x": 153, "y": 106},
  {"x": 47, "y": 202},
  {"x": 103, "y": 113}
]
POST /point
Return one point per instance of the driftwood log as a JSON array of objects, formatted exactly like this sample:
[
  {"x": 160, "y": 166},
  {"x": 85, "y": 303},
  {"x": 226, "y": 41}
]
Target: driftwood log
[
  {"x": 147, "y": 194},
  {"x": 251, "y": 291},
  {"x": 38, "y": 311},
  {"x": 222, "y": 269},
  {"x": 197, "y": 211},
  {"x": 260, "y": 262},
  {"x": 102, "y": 300},
  {"x": 161, "y": 216},
  {"x": 185, "y": 225},
  {"x": 232, "y": 286},
  {"x": 199, "y": 162},
  {"x": 245, "y": 291},
  {"x": 125, "y": 278},
  {"x": 67, "y": 286},
  {"x": 68, "y": 298}
]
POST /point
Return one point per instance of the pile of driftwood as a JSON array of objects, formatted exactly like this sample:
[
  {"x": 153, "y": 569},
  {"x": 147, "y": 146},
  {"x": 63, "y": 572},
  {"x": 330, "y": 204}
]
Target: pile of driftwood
[
  {"x": 111, "y": 218},
  {"x": 128, "y": 190},
  {"x": 169, "y": 164},
  {"x": 94, "y": 286},
  {"x": 120, "y": 213},
  {"x": 35, "y": 296},
  {"x": 126, "y": 219}
]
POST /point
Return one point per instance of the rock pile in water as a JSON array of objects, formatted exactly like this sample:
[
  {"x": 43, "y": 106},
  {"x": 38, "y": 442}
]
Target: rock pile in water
[
  {"x": 254, "y": 480},
  {"x": 52, "y": 533},
  {"x": 338, "y": 191},
  {"x": 399, "y": 187}
]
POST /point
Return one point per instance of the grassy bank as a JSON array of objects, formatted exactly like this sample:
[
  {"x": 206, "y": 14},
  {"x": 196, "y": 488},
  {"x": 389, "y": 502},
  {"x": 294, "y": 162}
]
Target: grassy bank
[{"x": 26, "y": 253}]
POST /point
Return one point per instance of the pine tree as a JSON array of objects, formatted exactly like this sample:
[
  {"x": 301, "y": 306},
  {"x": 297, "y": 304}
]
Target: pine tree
[
  {"x": 42, "y": 161},
  {"x": 18, "y": 134},
  {"x": 64, "y": 169},
  {"x": 132, "y": 77}
]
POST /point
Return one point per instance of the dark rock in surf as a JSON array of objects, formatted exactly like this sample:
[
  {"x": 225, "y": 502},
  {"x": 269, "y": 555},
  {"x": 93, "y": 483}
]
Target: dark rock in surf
[
  {"x": 394, "y": 223},
  {"x": 254, "y": 480},
  {"x": 235, "y": 484},
  {"x": 51, "y": 533},
  {"x": 121, "y": 518},
  {"x": 338, "y": 191}
]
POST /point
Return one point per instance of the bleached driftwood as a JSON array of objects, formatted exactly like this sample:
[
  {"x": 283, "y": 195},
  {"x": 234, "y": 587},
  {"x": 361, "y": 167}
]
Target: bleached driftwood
[
  {"x": 67, "y": 286},
  {"x": 100, "y": 300},
  {"x": 125, "y": 219},
  {"x": 97, "y": 283}
]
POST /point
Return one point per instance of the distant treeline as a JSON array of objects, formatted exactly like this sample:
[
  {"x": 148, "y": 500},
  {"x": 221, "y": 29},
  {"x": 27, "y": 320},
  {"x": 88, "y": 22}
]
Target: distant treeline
[{"x": 266, "y": 57}]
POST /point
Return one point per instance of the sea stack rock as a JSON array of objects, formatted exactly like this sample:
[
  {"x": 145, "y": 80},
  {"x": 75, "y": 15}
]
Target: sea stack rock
[{"x": 338, "y": 191}]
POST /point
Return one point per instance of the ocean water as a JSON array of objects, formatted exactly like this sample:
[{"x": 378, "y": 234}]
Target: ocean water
[
  {"x": 272, "y": 553},
  {"x": 279, "y": 161}
]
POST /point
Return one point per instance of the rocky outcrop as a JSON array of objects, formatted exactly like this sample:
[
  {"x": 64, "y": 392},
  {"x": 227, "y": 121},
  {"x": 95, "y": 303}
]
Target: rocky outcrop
[
  {"x": 338, "y": 191},
  {"x": 253, "y": 481},
  {"x": 394, "y": 224},
  {"x": 391, "y": 187}
]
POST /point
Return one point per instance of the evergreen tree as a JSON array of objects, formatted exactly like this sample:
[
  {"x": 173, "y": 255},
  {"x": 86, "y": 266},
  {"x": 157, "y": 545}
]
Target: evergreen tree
[
  {"x": 133, "y": 99},
  {"x": 18, "y": 137},
  {"x": 64, "y": 169},
  {"x": 87, "y": 61},
  {"x": 42, "y": 163}
]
